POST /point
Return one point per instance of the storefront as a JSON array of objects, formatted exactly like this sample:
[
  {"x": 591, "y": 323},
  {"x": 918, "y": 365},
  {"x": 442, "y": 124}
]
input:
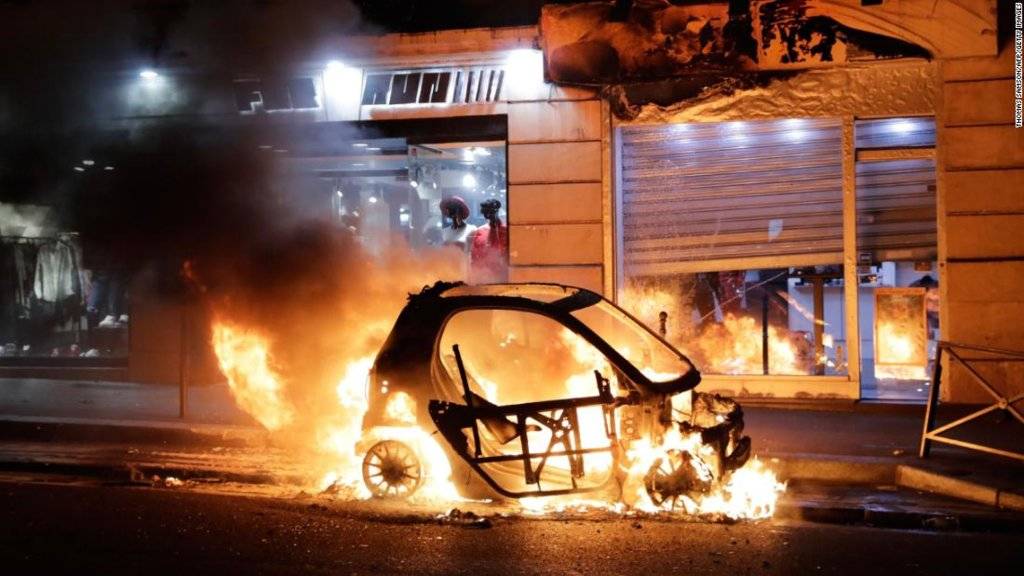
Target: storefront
[
  {"x": 65, "y": 293},
  {"x": 416, "y": 184},
  {"x": 732, "y": 243}
]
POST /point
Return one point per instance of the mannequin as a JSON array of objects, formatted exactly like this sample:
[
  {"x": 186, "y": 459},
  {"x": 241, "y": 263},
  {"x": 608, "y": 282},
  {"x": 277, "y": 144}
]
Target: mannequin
[
  {"x": 489, "y": 250},
  {"x": 459, "y": 232}
]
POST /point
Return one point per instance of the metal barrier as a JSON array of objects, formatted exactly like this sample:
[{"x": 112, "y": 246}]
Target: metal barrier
[{"x": 1002, "y": 402}]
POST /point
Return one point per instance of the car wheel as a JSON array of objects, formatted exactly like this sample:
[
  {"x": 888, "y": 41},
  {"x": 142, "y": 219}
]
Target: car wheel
[{"x": 391, "y": 469}]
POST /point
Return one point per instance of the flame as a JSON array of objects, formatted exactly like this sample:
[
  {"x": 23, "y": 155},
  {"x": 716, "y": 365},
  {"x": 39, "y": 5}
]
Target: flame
[
  {"x": 244, "y": 357},
  {"x": 747, "y": 493},
  {"x": 401, "y": 408},
  {"x": 902, "y": 354},
  {"x": 898, "y": 346},
  {"x": 735, "y": 347}
]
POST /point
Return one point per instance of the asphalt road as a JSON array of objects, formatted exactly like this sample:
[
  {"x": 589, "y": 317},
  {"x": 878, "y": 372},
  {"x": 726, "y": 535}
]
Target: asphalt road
[{"x": 90, "y": 529}]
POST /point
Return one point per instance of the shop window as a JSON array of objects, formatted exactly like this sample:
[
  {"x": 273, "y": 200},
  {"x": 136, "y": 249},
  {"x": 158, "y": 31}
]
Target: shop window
[
  {"x": 275, "y": 95},
  {"x": 302, "y": 93},
  {"x": 449, "y": 196},
  {"x": 434, "y": 87},
  {"x": 405, "y": 89},
  {"x": 247, "y": 96},
  {"x": 897, "y": 247},
  {"x": 460, "y": 86},
  {"x": 780, "y": 321},
  {"x": 730, "y": 232},
  {"x": 375, "y": 90},
  {"x": 60, "y": 300}
]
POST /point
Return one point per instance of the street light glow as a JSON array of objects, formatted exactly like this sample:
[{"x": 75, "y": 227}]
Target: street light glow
[{"x": 149, "y": 74}]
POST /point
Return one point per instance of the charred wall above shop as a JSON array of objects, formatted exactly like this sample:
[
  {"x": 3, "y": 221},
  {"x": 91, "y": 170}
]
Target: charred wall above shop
[{"x": 661, "y": 52}]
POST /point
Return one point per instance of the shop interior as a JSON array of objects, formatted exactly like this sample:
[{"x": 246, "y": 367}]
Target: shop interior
[{"x": 413, "y": 189}]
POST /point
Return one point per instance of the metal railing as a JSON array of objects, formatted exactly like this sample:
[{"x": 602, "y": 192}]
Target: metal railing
[{"x": 957, "y": 353}]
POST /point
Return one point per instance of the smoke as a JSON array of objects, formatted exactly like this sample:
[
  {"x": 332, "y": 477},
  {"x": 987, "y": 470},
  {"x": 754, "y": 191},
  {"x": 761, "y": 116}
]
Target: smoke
[
  {"x": 210, "y": 215},
  {"x": 323, "y": 303}
]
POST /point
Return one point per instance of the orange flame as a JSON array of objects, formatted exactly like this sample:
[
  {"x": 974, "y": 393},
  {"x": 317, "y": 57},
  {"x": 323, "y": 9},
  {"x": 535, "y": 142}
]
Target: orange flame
[{"x": 244, "y": 357}]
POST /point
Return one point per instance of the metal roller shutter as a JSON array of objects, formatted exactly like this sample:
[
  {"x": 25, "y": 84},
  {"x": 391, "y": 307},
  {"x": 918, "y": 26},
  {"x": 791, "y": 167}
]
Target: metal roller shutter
[
  {"x": 896, "y": 209},
  {"x": 704, "y": 197}
]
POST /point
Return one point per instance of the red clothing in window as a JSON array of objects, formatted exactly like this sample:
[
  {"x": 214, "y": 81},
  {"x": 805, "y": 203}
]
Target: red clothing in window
[{"x": 488, "y": 254}]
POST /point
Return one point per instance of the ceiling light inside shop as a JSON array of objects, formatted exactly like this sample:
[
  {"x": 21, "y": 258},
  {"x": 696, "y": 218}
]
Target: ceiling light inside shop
[
  {"x": 414, "y": 184},
  {"x": 359, "y": 144},
  {"x": 373, "y": 149},
  {"x": 372, "y": 199},
  {"x": 340, "y": 194},
  {"x": 108, "y": 168},
  {"x": 88, "y": 162},
  {"x": 469, "y": 181},
  {"x": 148, "y": 74},
  {"x": 79, "y": 169}
]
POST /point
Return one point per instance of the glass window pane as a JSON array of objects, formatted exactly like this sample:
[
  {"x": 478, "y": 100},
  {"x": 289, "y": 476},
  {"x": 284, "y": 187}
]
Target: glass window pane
[
  {"x": 404, "y": 89},
  {"x": 376, "y": 89},
  {"x": 785, "y": 321}
]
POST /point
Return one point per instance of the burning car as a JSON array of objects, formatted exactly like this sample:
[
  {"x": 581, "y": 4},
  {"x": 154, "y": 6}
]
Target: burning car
[{"x": 543, "y": 390}]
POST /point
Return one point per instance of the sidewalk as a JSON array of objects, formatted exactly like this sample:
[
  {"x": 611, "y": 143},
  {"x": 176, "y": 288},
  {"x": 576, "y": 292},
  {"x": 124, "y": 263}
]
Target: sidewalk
[{"x": 55, "y": 425}]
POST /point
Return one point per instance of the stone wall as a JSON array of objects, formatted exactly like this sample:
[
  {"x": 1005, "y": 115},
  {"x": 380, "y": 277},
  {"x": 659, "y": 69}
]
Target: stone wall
[{"x": 981, "y": 205}]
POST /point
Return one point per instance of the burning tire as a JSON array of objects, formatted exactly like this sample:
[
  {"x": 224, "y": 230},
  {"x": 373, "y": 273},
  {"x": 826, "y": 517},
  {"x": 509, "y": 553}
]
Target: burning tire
[
  {"x": 676, "y": 474},
  {"x": 391, "y": 469}
]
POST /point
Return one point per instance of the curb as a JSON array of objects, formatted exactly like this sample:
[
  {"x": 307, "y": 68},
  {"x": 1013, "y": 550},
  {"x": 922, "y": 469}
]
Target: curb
[
  {"x": 865, "y": 470},
  {"x": 899, "y": 519},
  {"x": 930, "y": 481},
  {"x": 845, "y": 470}
]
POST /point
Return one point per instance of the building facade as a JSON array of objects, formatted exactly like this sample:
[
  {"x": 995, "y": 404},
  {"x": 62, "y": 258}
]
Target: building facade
[{"x": 792, "y": 224}]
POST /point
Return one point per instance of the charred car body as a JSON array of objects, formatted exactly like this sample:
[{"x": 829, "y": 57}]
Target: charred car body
[{"x": 539, "y": 390}]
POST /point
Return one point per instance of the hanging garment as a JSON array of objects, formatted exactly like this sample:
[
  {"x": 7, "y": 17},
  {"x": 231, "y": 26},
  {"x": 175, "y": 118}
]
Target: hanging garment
[
  {"x": 8, "y": 294},
  {"x": 56, "y": 278},
  {"x": 25, "y": 270},
  {"x": 489, "y": 254}
]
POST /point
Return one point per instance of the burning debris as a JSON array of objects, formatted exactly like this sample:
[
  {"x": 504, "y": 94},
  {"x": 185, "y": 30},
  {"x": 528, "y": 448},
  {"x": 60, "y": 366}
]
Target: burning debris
[{"x": 468, "y": 519}]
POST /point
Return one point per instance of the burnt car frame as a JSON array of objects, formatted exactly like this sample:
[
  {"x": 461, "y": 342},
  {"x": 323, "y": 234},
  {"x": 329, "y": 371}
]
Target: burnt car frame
[{"x": 639, "y": 406}]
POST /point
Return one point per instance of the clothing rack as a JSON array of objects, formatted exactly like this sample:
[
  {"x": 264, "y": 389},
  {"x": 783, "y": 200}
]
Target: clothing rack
[{"x": 60, "y": 237}]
